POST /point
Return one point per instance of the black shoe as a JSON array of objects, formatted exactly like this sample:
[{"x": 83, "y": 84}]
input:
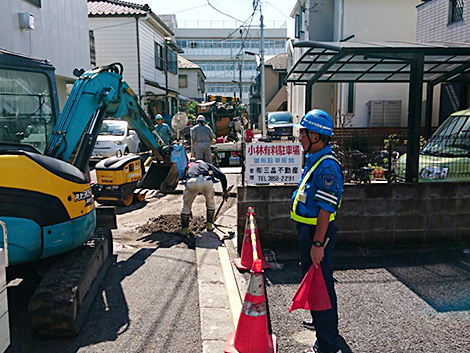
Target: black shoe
[{"x": 308, "y": 325}]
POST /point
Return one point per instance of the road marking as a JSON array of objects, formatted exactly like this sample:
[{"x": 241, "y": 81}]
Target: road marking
[{"x": 233, "y": 295}]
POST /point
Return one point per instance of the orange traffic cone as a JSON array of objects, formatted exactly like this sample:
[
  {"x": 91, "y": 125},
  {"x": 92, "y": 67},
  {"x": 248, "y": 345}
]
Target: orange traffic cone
[
  {"x": 246, "y": 261},
  {"x": 251, "y": 335}
]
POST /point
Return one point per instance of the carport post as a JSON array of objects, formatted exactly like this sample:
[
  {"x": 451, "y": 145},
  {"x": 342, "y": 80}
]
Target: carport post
[
  {"x": 414, "y": 117},
  {"x": 308, "y": 97},
  {"x": 428, "y": 117}
]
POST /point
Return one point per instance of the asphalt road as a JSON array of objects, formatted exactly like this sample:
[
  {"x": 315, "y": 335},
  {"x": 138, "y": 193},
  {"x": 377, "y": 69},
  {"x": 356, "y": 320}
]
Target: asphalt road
[
  {"x": 404, "y": 301},
  {"x": 149, "y": 301}
]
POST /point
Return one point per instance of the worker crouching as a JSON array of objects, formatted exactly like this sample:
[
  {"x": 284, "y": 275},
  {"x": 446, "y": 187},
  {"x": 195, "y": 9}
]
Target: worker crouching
[{"x": 200, "y": 177}]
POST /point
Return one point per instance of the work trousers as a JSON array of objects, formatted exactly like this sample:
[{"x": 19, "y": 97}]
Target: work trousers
[
  {"x": 194, "y": 186},
  {"x": 326, "y": 322},
  {"x": 202, "y": 151}
]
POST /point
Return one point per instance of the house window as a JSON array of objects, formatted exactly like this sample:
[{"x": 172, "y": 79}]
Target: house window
[
  {"x": 92, "y": 48},
  {"x": 172, "y": 60},
  {"x": 158, "y": 56},
  {"x": 455, "y": 10},
  {"x": 183, "y": 81},
  {"x": 35, "y": 2}
]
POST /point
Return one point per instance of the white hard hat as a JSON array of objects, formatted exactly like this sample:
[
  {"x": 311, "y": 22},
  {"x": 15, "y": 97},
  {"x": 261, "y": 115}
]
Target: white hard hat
[{"x": 201, "y": 118}]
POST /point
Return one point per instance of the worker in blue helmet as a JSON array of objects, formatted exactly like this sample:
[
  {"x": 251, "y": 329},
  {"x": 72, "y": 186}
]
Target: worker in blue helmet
[{"x": 313, "y": 207}]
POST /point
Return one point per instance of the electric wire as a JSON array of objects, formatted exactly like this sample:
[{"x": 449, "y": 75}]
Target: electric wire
[
  {"x": 192, "y": 8},
  {"x": 223, "y": 13}
]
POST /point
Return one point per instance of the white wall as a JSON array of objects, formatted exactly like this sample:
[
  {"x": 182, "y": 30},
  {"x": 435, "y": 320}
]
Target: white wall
[
  {"x": 433, "y": 26},
  {"x": 192, "y": 90},
  {"x": 433, "y": 23},
  {"x": 60, "y": 34},
  {"x": 116, "y": 41},
  {"x": 148, "y": 36},
  {"x": 385, "y": 20}
]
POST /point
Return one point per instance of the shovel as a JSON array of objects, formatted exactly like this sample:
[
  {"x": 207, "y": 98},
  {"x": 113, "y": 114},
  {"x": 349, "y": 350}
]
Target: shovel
[{"x": 222, "y": 203}]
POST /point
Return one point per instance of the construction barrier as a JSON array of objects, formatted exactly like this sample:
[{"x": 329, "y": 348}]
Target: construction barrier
[
  {"x": 252, "y": 334},
  {"x": 251, "y": 246}
]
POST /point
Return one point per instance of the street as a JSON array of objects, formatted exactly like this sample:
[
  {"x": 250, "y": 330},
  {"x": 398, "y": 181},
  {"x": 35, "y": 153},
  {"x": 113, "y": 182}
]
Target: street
[{"x": 150, "y": 298}]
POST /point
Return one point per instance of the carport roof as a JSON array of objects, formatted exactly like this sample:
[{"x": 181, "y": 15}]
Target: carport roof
[{"x": 354, "y": 61}]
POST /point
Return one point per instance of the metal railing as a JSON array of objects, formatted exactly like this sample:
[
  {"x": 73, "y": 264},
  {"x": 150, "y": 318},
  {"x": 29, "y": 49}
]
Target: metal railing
[{"x": 228, "y": 24}]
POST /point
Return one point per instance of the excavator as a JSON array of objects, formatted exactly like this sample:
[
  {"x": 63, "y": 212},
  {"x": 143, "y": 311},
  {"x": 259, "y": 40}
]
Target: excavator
[{"x": 46, "y": 197}]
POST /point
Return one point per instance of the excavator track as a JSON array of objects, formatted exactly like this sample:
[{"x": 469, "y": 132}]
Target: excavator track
[{"x": 62, "y": 300}]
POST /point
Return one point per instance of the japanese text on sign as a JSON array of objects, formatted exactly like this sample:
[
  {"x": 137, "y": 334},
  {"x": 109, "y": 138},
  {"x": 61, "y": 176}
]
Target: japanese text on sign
[{"x": 273, "y": 163}]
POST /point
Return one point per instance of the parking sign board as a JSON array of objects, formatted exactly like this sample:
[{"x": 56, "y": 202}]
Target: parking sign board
[{"x": 273, "y": 163}]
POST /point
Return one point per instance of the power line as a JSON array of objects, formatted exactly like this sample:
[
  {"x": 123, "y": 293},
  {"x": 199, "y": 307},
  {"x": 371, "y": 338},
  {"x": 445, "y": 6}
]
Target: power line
[
  {"x": 282, "y": 13},
  {"x": 192, "y": 8},
  {"x": 223, "y": 13}
]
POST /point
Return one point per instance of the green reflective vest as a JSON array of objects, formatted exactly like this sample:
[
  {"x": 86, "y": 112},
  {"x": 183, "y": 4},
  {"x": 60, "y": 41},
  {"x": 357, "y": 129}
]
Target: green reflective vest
[{"x": 293, "y": 213}]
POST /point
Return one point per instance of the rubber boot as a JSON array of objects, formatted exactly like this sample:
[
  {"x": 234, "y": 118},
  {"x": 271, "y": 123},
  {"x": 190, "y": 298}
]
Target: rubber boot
[
  {"x": 184, "y": 225},
  {"x": 210, "y": 220}
]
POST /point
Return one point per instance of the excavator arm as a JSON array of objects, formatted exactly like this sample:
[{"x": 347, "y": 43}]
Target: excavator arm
[{"x": 97, "y": 94}]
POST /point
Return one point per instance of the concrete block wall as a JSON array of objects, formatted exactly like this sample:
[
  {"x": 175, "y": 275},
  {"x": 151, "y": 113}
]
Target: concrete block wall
[{"x": 379, "y": 214}]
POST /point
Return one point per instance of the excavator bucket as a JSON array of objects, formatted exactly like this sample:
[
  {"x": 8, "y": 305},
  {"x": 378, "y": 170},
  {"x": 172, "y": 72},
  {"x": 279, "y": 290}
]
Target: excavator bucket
[{"x": 160, "y": 176}]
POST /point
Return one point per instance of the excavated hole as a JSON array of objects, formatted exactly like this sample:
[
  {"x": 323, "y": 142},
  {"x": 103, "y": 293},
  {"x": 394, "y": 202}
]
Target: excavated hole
[{"x": 172, "y": 224}]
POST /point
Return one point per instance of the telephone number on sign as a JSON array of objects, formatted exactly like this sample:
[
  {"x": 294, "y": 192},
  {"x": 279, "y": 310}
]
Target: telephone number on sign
[{"x": 275, "y": 178}]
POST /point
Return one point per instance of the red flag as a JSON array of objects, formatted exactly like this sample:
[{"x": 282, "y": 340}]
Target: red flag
[{"x": 312, "y": 293}]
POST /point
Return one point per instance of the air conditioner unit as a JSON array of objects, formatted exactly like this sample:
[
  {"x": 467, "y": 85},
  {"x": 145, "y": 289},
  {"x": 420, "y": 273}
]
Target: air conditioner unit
[{"x": 384, "y": 113}]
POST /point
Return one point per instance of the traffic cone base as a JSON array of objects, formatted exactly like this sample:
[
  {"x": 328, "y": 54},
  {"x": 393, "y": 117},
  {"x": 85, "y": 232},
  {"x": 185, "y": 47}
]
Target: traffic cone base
[
  {"x": 229, "y": 348},
  {"x": 238, "y": 264}
]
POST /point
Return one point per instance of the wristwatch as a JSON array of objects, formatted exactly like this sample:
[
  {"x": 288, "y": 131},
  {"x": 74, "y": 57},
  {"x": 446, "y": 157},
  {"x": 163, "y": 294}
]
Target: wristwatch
[{"x": 318, "y": 244}]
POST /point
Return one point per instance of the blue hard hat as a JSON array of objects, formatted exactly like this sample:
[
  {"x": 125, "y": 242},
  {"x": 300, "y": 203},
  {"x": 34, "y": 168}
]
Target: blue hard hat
[{"x": 318, "y": 121}]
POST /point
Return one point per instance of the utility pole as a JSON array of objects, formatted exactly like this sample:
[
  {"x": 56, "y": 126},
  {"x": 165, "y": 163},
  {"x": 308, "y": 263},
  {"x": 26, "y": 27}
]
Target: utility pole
[
  {"x": 240, "y": 68},
  {"x": 262, "y": 93}
]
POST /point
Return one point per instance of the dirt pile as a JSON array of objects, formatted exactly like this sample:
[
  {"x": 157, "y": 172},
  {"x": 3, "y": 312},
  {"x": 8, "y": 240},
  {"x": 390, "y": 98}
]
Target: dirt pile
[{"x": 172, "y": 224}]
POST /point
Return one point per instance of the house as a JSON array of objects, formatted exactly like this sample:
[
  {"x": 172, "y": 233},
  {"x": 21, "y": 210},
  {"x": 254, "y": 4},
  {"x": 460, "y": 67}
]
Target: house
[
  {"x": 445, "y": 21},
  {"x": 191, "y": 79},
  {"x": 275, "y": 71},
  {"x": 365, "y": 21},
  {"x": 135, "y": 36},
  {"x": 55, "y": 30}
]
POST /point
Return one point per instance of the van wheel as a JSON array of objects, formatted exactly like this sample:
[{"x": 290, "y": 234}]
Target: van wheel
[{"x": 126, "y": 151}]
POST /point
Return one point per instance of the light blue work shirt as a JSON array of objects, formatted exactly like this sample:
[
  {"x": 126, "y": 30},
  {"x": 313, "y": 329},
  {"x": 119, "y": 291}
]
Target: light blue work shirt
[
  {"x": 324, "y": 188},
  {"x": 164, "y": 131}
]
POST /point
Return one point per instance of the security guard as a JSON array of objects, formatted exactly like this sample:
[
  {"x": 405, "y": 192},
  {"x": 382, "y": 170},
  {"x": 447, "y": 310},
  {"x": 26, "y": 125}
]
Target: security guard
[
  {"x": 201, "y": 137},
  {"x": 200, "y": 178},
  {"x": 163, "y": 130},
  {"x": 314, "y": 205}
]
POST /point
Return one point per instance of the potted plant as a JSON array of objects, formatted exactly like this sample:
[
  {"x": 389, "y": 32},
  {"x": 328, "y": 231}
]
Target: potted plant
[{"x": 377, "y": 171}]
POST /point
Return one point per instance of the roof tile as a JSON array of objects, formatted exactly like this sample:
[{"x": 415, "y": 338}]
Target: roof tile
[{"x": 116, "y": 7}]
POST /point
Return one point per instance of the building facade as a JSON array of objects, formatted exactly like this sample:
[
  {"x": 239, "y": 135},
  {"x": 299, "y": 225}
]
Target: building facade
[
  {"x": 56, "y": 30},
  {"x": 137, "y": 38},
  {"x": 445, "y": 21},
  {"x": 357, "y": 20},
  {"x": 221, "y": 53},
  {"x": 191, "y": 79},
  {"x": 276, "y": 89}
]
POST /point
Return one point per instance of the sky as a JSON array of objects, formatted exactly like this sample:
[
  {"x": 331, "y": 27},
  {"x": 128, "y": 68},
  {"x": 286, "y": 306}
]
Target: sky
[{"x": 193, "y": 10}]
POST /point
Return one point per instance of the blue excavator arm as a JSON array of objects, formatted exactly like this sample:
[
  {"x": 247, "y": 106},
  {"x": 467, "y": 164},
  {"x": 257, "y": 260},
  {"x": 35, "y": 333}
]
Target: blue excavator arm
[{"x": 97, "y": 94}]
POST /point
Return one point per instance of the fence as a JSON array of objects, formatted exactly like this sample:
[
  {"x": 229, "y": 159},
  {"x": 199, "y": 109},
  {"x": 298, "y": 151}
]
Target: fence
[{"x": 369, "y": 153}]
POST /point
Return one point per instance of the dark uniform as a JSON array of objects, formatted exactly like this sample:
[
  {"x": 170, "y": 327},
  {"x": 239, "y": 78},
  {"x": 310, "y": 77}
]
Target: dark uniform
[{"x": 321, "y": 187}]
